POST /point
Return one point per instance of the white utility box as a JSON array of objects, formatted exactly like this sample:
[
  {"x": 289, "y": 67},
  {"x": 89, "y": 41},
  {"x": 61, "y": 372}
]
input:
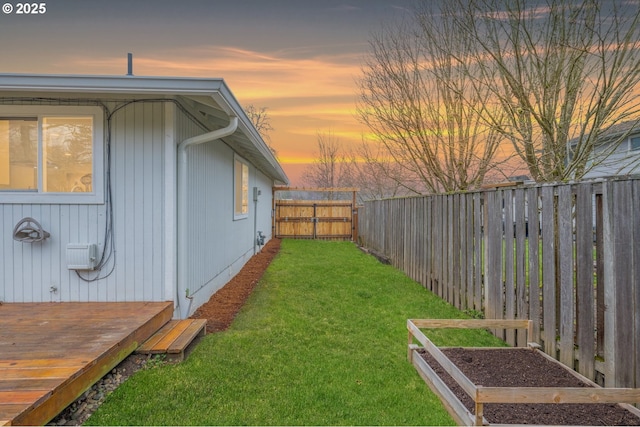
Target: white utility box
[{"x": 82, "y": 256}]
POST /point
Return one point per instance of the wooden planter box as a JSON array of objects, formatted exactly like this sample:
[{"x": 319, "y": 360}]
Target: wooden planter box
[{"x": 481, "y": 395}]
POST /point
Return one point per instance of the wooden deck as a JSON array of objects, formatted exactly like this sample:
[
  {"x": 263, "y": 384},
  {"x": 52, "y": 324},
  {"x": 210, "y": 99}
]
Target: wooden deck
[{"x": 51, "y": 353}]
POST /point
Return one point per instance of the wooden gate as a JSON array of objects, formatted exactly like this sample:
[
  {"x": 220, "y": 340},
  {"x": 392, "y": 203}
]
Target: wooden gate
[{"x": 315, "y": 219}]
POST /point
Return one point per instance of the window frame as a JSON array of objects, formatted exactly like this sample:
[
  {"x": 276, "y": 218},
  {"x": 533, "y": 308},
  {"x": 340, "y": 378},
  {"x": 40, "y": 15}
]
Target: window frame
[
  {"x": 631, "y": 147},
  {"x": 237, "y": 160},
  {"x": 96, "y": 196}
]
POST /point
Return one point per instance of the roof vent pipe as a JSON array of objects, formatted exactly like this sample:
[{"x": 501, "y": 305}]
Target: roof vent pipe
[
  {"x": 182, "y": 206},
  {"x": 129, "y": 64}
]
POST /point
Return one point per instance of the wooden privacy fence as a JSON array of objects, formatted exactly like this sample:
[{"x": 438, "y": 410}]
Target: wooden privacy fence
[
  {"x": 324, "y": 218},
  {"x": 565, "y": 256}
]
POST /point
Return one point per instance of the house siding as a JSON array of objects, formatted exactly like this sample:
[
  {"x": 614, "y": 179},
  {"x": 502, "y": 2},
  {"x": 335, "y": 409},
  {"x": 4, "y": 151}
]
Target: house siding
[
  {"x": 144, "y": 136},
  {"x": 621, "y": 161},
  {"x": 218, "y": 246},
  {"x": 31, "y": 271}
]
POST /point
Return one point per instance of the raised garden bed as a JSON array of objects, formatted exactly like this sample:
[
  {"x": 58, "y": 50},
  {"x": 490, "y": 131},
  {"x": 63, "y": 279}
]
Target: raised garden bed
[{"x": 481, "y": 386}]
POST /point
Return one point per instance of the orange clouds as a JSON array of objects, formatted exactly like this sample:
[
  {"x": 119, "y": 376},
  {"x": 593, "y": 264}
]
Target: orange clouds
[{"x": 304, "y": 93}]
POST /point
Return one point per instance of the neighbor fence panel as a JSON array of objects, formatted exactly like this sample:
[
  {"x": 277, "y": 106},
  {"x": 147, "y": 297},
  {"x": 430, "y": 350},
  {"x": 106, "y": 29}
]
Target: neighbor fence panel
[{"x": 566, "y": 256}]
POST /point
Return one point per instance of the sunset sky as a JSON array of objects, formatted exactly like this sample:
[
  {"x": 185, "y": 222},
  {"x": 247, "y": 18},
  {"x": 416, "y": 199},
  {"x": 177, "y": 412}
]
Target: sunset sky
[{"x": 298, "y": 58}]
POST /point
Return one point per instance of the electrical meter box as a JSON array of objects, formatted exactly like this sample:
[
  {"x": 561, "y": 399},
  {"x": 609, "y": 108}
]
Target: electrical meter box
[{"x": 82, "y": 256}]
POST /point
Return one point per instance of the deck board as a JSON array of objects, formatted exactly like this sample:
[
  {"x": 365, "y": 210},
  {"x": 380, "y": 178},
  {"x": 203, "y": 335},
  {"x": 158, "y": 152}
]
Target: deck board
[
  {"x": 175, "y": 339},
  {"x": 148, "y": 345},
  {"x": 50, "y": 353},
  {"x": 197, "y": 328}
]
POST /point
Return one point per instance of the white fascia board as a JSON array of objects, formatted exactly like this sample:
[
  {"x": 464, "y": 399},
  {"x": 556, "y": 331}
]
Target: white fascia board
[{"x": 109, "y": 84}]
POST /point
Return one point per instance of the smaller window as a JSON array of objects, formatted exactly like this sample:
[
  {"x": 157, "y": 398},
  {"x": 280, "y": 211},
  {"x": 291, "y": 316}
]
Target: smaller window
[
  {"x": 241, "y": 189},
  {"x": 635, "y": 143}
]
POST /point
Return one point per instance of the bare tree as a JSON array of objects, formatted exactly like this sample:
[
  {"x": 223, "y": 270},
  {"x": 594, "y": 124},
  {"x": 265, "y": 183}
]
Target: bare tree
[
  {"x": 375, "y": 174},
  {"x": 561, "y": 70},
  {"x": 262, "y": 122},
  {"x": 328, "y": 169},
  {"x": 418, "y": 99}
]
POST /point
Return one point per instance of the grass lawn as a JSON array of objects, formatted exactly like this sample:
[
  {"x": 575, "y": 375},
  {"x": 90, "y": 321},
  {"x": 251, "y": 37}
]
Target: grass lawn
[{"x": 321, "y": 341}]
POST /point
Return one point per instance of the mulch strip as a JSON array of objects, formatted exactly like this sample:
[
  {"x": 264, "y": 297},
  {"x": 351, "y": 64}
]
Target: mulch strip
[
  {"x": 223, "y": 306},
  {"x": 525, "y": 368}
]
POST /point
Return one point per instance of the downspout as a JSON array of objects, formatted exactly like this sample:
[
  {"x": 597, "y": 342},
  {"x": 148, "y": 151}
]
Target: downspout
[{"x": 183, "y": 308}]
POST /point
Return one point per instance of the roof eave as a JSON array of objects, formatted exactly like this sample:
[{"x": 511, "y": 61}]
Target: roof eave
[{"x": 216, "y": 88}]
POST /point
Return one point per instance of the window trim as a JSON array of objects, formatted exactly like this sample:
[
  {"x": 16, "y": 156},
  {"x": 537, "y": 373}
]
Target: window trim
[
  {"x": 98, "y": 167},
  {"x": 631, "y": 138},
  {"x": 239, "y": 160}
]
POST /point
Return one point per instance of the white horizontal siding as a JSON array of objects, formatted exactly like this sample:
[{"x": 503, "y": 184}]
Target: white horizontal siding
[
  {"x": 621, "y": 162},
  {"x": 607, "y": 160}
]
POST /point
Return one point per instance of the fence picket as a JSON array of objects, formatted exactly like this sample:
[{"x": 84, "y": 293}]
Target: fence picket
[
  {"x": 493, "y": 257},
  {"x": 635, "y": 283},
  {"x": 428, "y": 242},
  {"x": 548, "y": 270},
  {"x": 623, "y": 338},
  {"x": 478, "y": 252},
  {"x": 533, "y": 219},
  {"x": 600, "y": 282},
  {"x": 565, "y": 272},
  {"x": 585, "y": 321},
  {"x": 509, "y": 283},
  {"x": 520, "y": 260},
  {"x": 469, "y": 280},
  {"x": 454, "y": 249}
]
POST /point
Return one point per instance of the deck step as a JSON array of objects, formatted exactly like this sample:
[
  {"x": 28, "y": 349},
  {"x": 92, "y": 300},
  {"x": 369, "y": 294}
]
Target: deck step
[{"x": 174, "y": 338}]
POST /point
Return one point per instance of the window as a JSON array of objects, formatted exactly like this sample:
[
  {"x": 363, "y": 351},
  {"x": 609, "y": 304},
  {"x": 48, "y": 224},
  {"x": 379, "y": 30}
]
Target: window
[
  {"x": 241, "y": 189},
  {"x": 51, "y": 154},
  {"x": 635, "y": 143}
]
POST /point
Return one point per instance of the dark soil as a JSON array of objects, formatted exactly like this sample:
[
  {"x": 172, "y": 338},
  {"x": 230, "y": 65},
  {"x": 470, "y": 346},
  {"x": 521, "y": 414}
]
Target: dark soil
[{"x": 525, "y": 368}]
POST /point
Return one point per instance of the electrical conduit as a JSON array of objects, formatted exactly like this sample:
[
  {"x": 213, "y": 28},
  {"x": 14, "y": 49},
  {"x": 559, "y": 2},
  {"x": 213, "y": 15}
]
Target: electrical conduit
[{"x": 181, "y": 300}]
